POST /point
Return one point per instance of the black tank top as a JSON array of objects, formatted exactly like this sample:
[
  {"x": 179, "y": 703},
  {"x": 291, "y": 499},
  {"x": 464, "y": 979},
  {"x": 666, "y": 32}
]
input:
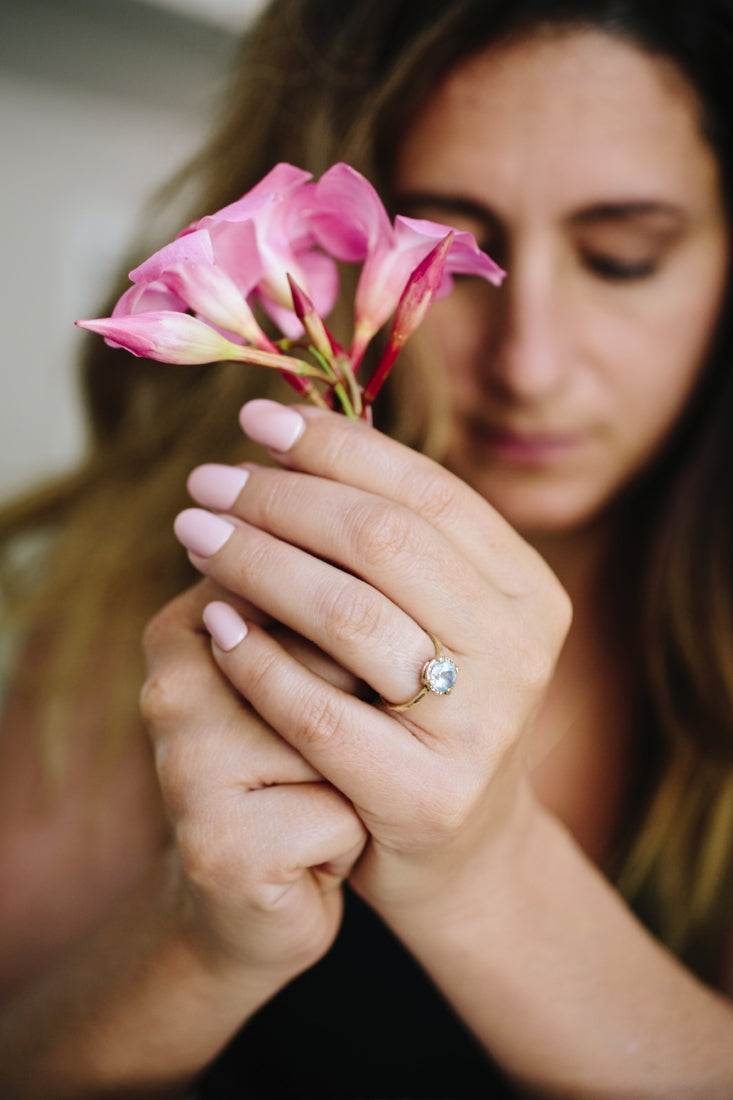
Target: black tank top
[{"x": 365, "y": 1023}]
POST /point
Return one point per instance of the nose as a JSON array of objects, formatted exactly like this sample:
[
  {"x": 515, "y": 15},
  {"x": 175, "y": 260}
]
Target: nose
[{"x": 527, "y": 356}]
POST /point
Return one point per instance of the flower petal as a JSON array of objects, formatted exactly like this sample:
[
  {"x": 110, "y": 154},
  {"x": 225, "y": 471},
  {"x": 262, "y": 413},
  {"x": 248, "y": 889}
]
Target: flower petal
[
  {"x": 209, "y": 291},
  {"x": 164, "y": 335},
  {"x": 421, "y": 290},
  {"x": 386, "y": 270},
  {"x": 142, "y": 298},
  {"x": 349, "y": 218},
  {"x": 236, "y": 252},
  {"x": 280, "y": 181},
  {"x": 464, "y": 257},
  {"x": 193, "y": 248}
]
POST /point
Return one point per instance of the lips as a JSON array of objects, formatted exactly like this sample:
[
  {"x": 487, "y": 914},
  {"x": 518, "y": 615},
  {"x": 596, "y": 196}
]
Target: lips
[{"x": 536, "y": 446}]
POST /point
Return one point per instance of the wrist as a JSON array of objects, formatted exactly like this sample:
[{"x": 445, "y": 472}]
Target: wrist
[{"x": 480, "y": 867}]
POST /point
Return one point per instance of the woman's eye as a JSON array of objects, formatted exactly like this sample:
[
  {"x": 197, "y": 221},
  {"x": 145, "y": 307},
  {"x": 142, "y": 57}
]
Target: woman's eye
[{"x": 615, "y": 269}]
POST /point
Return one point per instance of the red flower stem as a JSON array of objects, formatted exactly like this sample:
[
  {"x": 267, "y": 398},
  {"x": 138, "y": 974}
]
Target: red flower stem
[{"x": 384, "y": 366}]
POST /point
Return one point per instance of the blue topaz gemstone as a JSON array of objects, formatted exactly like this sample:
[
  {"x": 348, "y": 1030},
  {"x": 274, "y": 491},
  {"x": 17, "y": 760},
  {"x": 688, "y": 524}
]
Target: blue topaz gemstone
[{"x": 439, "y": 675}]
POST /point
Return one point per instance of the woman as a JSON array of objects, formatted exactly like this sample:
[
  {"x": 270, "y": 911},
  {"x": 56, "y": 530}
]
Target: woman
[{"x": 580, "y": 416}]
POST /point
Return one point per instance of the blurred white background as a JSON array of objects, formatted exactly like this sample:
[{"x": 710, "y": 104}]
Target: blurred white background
[{"x": 100, "y": 100}]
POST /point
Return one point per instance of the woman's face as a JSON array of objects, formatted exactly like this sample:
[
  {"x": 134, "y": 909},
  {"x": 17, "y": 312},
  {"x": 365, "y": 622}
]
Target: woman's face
[{"x": 579, "y": 163}]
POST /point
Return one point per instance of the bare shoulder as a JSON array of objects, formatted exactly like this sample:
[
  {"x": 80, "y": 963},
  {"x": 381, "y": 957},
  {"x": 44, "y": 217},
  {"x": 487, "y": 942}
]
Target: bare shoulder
[{"x": 67, "y": 857}]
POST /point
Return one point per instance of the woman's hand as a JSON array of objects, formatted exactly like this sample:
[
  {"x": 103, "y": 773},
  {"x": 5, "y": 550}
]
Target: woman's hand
[
  {"x": 362, "y": 547},
  {"x": 263, "y": 840}
]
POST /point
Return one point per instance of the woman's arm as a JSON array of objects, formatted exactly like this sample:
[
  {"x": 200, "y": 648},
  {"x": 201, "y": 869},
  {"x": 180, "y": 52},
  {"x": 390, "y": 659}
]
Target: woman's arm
[
  {"x": 541, "y": 958},
  {"x": 244, "y": 898},
  {"x": 562, "y": 984}
]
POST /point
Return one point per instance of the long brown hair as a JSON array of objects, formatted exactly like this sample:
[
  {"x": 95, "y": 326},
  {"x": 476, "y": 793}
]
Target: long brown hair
[{"x": 326, "y": 80}]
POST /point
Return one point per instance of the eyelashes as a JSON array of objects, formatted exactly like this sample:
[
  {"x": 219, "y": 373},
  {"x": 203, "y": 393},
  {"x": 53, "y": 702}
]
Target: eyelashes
[
  {"x": 608, "y": 268},
  {"x": 614, "y": 269}
]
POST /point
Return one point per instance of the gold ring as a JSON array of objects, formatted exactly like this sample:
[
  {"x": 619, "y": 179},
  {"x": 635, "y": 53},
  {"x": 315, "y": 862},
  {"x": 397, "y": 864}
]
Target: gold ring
[{"x": 438, "y": 676}]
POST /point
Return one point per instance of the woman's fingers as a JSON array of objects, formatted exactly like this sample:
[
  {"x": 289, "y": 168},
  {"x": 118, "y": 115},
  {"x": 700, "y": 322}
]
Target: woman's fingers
[
  {"x": 349, "y": 619},
  {"x": 260, "y": 844},
  {"x": 334, "y": 550},
  {"x": 381, "y": 512},
  {"x": 263, "y": 838},
  {"x": 385, "y": 543},
  {"x": 202, "y": 737},
  {"x": 360, "y": 750},
  {"x": 404, "y": 779},
  {"x": 361, "y": 626},
  {"x": 350, "y": 452}
]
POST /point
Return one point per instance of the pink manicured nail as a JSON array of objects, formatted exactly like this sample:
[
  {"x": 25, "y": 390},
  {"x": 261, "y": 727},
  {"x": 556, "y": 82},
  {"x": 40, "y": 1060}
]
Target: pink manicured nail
[
  {"x": 224, "y": 625},
  {"x": 275, "y": 426},
  {"x": 217, "y": 486},
  {"x": 201, "y": 532}
]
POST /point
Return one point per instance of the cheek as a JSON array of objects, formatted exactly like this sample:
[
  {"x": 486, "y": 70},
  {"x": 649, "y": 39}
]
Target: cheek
[
  {"x": 667, "y": 346},
  {"x": 657, "y": 360},
  {"x": 455, "y": 331}
]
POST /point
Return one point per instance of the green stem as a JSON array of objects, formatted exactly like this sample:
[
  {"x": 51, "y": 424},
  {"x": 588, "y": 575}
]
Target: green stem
[{"x": 336, "y": 383}]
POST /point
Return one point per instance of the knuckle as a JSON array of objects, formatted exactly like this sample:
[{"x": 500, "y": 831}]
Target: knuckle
[
  {"x": 535, "y": 664},
  {"x": 320, "y": 718},
  {"x": 554, "y": 600},
  {"x": 175, "y": 768},
  {"x": 337, "y": 445},
  {"x": 276, "y": 492},
  {"x": 350, "y": 611},
  {"x": 251, "y": 565},
  {"x": 186, "y": 773},
  {"x": 207, "y": 852},
  {"x": 554, "y": 611},
  {"x": 561, "y": 611},
  {"x": 380, "y": 532},
  {"x": 436, "y": 498},
  {"x": 160, "y": 697},
  {"x": 447, "y": 815},
  {"x": 261, "y": 672},
  {"x": 441, "y": 812},
  {"x": 174, "y": 691}
]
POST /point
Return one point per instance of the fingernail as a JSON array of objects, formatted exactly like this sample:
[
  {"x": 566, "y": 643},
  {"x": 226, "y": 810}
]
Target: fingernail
[
  {"x": 224, "y": 625},
  {"x": 275, "y": 426},
  {"x": 201, "y": 532},
  {"x": 217, "y": 486}
]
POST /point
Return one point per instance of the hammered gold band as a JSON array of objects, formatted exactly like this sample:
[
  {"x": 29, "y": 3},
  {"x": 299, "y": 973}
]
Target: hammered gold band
[{"x": 437, "y": 676}]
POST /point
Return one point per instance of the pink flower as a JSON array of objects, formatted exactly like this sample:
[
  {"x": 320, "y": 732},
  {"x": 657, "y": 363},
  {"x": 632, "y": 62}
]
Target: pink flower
[
  {"x": 312, "y": 322},
  {"x": 422, "y": 288},
  {"x": 250, "y": 246},
  {"x": 215, "y": 266},
  {"x": 171, "y": 337},
  {"x": 277, "y": 214},
  {"x": 352, "y": 224},
  {"x": 280, "y": 245},
  {"x": 186, "y": 274},
  {"x": 165, "y": 335}
]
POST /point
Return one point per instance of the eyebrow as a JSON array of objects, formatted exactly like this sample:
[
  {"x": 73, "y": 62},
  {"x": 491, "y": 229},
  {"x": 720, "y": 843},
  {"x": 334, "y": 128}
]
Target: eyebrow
[
  {"x": 455, "y": 204},
  {"x": 624, "y": 210},
  {"x": 629, "y": 210}
]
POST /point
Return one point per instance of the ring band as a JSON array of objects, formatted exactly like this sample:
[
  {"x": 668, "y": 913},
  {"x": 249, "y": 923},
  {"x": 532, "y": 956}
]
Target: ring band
[{"x": 438, "y": 677}]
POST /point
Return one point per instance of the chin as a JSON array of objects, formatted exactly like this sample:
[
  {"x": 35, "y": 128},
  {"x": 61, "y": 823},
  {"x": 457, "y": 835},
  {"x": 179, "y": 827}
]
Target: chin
[{"x": 540, "y": 512}]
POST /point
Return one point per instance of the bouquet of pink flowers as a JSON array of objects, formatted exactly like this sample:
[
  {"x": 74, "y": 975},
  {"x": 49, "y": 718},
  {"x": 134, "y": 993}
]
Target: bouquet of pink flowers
[{"x": 279, "y": 247}]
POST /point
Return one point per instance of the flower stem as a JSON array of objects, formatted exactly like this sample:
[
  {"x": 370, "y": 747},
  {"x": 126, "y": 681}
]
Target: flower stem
[
  {"x": 384, "y": 366},
  {"x": 337, "y": 384}
]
